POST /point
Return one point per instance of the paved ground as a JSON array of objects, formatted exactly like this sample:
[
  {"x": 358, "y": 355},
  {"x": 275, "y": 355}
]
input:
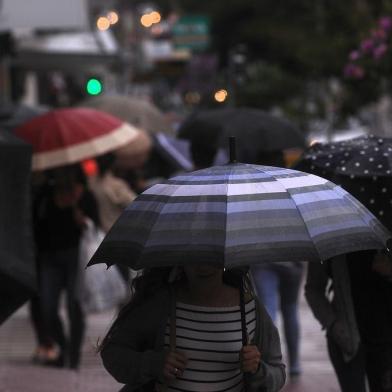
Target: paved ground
[{"x": 17, "y": 374}]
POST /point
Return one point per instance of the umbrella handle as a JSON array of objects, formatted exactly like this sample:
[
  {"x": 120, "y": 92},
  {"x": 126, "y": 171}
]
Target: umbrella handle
[
  {"x": 245, "y": 336},
  {"x": 173, "y": 332}
]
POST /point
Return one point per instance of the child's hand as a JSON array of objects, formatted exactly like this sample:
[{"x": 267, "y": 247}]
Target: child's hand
[
  {"x": 250, "y": 359},
  {"x": 175, "y": 363}
]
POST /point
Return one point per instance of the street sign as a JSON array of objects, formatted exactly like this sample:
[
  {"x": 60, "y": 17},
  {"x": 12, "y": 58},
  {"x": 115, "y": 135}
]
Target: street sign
[{"x": 192, "y": 32}]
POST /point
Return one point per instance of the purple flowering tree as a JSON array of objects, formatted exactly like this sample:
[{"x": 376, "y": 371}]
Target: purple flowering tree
[{"x": 372, "y": 57}]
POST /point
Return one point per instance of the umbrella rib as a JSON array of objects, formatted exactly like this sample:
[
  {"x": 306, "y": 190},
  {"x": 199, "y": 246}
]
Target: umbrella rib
[
  {"x": 361, "y": 216},
  {"x": 299, "y": 213},
  {"x": 151, "y": 229}
]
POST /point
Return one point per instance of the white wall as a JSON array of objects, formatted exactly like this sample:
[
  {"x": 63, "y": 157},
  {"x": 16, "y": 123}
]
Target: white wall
[{"x": 41, "y": 14}]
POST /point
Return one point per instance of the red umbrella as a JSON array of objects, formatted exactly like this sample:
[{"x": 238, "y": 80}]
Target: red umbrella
[{"x": 66, "y": 136}]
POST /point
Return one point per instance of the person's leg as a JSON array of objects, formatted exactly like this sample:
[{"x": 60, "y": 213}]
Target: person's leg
[
  {"x": 36, "y": 316},
  {"x": 74, "y": 309},
  {"x": 266, "y": 282},
  {"x": 52, "y": 284},
  {"x": 350, "y": 375},
  {"x": 289, "y": 286}
]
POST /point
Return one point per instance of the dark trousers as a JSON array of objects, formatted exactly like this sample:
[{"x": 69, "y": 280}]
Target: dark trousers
[
  {"x": 379, "y": 367},
  {"x": 59, "y": 273},
  {"x": 40, "y": 327},
  {"x": 351, "y": 375}
]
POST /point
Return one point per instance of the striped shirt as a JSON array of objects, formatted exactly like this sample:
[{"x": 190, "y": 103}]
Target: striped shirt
[{"x": 211, "y": 338}]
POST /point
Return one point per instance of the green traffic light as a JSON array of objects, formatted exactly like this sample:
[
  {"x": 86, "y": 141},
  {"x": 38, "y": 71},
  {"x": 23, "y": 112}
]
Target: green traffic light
[{"x": 94, "y": 87}]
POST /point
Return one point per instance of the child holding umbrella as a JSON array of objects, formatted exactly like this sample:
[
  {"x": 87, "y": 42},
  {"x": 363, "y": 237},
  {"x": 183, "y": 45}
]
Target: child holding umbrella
[{"x": 183, "y": 331}]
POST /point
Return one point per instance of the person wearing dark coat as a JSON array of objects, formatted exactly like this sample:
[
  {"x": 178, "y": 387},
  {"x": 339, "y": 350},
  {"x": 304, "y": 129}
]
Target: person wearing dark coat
[
  {"x": 60, "y": 210},
  {"x": 351, "y": 296}
]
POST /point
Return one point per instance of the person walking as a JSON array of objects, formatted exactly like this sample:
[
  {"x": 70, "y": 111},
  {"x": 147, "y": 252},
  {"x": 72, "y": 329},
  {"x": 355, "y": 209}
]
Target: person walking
[
  {"x": 111, "y": 192},
  {"x": 278, "y": 286},
  {"x": 357, "y": 316},
  {"x": 60, "y": 212},
  {"x": 113, "y": 195},
  {"x": 333, "y": 307},
  {"x": 182, "y": 330}
]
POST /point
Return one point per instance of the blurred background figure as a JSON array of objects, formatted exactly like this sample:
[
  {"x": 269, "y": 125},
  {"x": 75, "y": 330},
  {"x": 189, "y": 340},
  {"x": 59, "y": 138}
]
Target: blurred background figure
[
  {"x": 60, "y": 210},
  {"x": 203, "y": 152},
  {"x": 61, "y": 139},
  {"x": 112, "y": 194}
]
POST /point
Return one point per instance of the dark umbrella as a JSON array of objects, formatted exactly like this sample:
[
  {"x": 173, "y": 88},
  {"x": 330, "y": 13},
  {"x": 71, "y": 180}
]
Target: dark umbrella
[
  {"x": 362, "y": 166},
  {"x": 366, "y": 156},
  {"x": 177, "y": 152},
  {"x": 255, "y": 131},
  {"x": 17, "y": 265}
]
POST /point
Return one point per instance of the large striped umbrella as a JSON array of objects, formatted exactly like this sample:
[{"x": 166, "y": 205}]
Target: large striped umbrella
[{"x": 240, "y": 214}]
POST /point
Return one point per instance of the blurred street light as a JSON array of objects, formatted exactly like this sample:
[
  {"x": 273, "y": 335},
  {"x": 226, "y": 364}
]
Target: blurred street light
[
  {"x": 103, "y": 23},
  {"x": 220, "y": 95},
  {"x": 146, "y": 20},
  {"x": 155, "y": 17},
  {"x": 150, "y": 18},
  {"x": 113, "y": 17}
]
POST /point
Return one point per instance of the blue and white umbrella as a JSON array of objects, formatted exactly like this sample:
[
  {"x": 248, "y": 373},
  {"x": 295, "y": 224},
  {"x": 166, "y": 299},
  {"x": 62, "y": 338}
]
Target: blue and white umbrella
[{"x": 237, "y": 215}]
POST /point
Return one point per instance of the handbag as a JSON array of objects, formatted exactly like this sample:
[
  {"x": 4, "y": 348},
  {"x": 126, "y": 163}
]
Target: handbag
[{"x": 100, "y": 288}]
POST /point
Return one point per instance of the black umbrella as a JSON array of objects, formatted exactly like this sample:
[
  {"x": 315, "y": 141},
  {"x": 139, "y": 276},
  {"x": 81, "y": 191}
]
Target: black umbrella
[
  {"x": 256, "y": 131},
  {"x": 365, "y": 156},
  {"x": 17, "y": 266}
]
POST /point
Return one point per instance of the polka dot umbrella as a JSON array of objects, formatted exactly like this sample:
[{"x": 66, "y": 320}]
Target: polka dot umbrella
[
  {"x": 362, "y": 166},
  {"x": 366, "y": 156}
]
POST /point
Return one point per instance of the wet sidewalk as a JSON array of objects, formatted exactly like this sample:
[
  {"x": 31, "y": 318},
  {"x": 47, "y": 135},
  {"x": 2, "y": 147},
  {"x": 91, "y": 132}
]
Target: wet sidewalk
[{"x": 18, "y": 374}]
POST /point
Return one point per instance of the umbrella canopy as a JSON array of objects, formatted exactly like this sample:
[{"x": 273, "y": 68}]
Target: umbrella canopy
[
  {"x": 362, "y": 166},
  {"x": 374, "y": 193},
  {"x": 365, "y": 156},
  {"x": 240, "y": 214},
  {"x": 177, "y": 152},
  {"x": 17, "y": 265},
  {"x": 255, "y": 131},
  {"x": 136, "y": 111},
  {"x": 65, "y": 136}
]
